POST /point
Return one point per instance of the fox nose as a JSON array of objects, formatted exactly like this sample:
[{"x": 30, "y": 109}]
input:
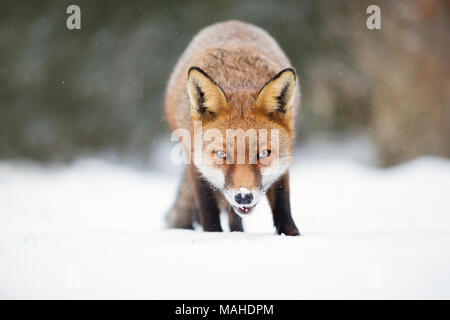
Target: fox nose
[{"x": 245, "y": 198}]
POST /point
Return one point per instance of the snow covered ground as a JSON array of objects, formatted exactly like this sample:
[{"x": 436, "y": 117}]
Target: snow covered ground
[{"x": 95, "y": 230}]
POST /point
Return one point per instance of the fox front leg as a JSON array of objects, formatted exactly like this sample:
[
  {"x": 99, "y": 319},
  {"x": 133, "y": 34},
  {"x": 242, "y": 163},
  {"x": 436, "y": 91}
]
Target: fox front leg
[
  {"x": 208, "y": 210},
  {"x": 278, "y": 195},
  {"x": 235, "y": 221}
]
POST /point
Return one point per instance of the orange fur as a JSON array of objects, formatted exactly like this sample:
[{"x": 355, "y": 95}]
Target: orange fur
[
  {"x": 240, "y": 57},
  {"x": 233, "y": 75}
]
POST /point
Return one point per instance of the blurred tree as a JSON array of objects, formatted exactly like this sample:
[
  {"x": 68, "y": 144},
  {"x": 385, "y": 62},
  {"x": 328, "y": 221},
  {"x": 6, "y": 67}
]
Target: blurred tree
[{"x": 407, "y": 64}]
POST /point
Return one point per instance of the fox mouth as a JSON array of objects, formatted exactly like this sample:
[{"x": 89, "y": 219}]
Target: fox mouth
[{"x": 243, "y": 210}]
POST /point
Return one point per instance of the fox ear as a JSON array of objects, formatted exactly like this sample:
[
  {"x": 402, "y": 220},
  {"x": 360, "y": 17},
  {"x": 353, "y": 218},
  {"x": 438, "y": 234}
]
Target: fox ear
[
  {"x": 277, "y": 96},
  {"x": 206, "y": 96}
]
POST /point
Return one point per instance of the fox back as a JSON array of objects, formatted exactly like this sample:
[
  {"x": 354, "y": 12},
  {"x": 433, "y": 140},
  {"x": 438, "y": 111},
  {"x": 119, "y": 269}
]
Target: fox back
[{"x": 240, "y": 57}]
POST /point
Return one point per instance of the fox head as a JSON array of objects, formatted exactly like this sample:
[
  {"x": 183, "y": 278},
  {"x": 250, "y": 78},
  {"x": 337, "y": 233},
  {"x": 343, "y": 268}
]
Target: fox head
[{"x": 250, "y": 134}]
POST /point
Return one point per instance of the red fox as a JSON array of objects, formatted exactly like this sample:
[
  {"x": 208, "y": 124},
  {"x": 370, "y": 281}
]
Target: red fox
[{"x": 234, "y": 76}]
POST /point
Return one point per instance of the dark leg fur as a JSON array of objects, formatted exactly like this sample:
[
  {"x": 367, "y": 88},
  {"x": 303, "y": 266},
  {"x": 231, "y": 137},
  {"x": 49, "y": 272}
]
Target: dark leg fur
[
  {"x": 278, "y": 196},
  {"x": 208, "y": 210},
  {"x": 234, "y": 221},
  {"x": 183, "y": 211}
]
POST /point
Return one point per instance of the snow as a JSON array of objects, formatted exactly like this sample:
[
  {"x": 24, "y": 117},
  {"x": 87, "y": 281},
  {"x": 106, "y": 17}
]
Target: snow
[{"x": 95, "y": 229}]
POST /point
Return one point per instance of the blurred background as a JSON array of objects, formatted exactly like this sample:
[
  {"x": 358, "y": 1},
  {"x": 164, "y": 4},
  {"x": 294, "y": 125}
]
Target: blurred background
[{"x": 98, "y": 91}]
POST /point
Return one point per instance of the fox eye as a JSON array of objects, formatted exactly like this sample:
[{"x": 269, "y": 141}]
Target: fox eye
[
  {"x": 264, "y": 154},
  {"x": 221, "y": 154}
]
